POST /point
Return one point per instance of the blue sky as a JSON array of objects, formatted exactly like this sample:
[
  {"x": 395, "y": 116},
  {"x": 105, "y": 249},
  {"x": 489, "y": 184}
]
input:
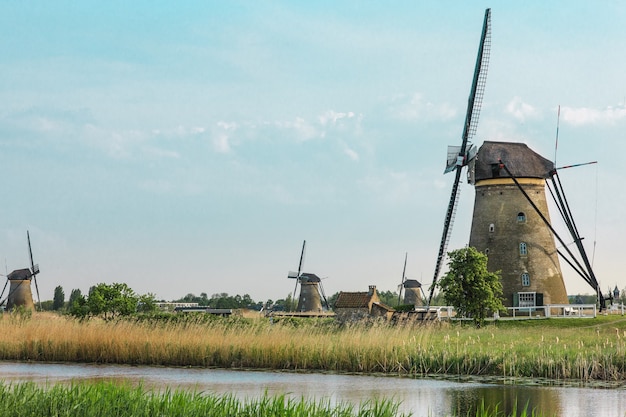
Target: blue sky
[{"x": 193, "y": 147}]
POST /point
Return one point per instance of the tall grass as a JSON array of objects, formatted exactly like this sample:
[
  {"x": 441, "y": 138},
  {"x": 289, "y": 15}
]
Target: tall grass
[
  {"x": 106, "y": 399},
  {"x": 593, "y": 350}
]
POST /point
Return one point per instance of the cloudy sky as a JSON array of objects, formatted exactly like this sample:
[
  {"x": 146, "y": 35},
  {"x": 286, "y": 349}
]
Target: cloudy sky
[{"x": 188, "y": 147}]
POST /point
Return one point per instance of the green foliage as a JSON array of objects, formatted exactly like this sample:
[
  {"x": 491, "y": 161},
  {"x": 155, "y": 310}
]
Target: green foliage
[
  {"x": 59, "y": 299},
  {"x": 74, "y": 295},
  {"x": 222, "y": 300},
  {"x": 108, "y": 399},
  {"x": 110, "y": 301},
  {"x": 389, "y": 298},
  {"x": 146, "y": 303},
  {"x": 46, "y": 305},
  {"x": 469, "y": 287}
]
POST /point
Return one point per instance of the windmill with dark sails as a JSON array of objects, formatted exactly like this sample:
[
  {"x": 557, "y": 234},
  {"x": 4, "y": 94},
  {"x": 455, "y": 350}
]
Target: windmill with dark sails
[
  {"x": 20, "y": 293},
  {"x": 311, "y": 290},
  {"x": 511, "y": 222}
]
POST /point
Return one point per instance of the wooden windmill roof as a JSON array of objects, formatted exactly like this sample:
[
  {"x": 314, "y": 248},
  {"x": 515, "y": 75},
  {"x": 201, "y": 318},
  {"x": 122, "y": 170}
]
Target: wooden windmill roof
[
  {"x": 412, "y": 283},
  {"x": 522, "y": 161},
  {"x": 310, "y": 277},
  {"x": 20, "y": 274}
]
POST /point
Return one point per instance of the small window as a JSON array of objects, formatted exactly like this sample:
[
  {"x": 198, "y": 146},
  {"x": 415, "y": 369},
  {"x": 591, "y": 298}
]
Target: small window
[
  {"x": 525, "y": 279},
  {"x": 523, "y": 250},
  {"x": 492, "y": 228},
  {"x": 487, "y": 251},
  {"x": 521, "y": 217},
  {"x": 527, "y": 299}
]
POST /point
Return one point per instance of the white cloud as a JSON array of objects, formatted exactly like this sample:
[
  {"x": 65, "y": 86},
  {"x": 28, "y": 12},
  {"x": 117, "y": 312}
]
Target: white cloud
[
  {"x": 303, "y": 129},
  {"x": 586, "y": 116},
  {"x": 415, "y": 107},
  {"x": 160, "y": 153},
  {"x": 520, "y": 110},
  {"x": 222, "y": 137},
  {"x": 351, "y": 154},
  {"x": 332, "y": 117}
]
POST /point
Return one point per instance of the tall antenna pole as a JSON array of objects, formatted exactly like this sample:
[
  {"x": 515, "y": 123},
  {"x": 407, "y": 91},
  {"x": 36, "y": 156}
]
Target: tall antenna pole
[{"x": 556, "y": 142}]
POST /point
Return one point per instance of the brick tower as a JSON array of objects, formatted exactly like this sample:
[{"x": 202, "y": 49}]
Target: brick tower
[{"x": 508, "y": 229}]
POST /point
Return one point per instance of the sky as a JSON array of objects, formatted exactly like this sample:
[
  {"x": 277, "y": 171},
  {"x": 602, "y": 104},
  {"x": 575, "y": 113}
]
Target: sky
[{"x": 190, "y": 147}]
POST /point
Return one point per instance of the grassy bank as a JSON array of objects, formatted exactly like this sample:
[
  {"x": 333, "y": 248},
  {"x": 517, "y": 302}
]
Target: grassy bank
[
  {"x": 104, "y": 400},
  {"x": 578, "y": 349}
]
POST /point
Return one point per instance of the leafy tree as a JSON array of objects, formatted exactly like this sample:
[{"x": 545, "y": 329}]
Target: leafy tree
[
  {"x": 146, "y": 303},
  {"x": 469, "y": 287},
  {"x": 291, "y": 304},
  {"x": 113, "y": 300},
  {"x": 74, "y": 295},
  {"x": 388, "y": 298},
  {"x": 47, "y": 305},
  {"x": 59, "y": 299},
  {"x": 78, "y": 306}
]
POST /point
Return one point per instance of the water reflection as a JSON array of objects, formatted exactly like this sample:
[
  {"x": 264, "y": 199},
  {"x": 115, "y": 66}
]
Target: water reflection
[{"x": 422, "y": 397}]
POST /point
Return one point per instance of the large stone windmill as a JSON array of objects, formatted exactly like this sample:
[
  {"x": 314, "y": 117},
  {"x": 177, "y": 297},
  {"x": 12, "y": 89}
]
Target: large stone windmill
[
  {"x": 511, "y": 222},
  {"x": 507, "y": 228}
]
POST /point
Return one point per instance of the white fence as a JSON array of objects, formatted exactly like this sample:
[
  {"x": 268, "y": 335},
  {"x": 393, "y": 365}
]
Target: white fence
[{"x": 547, "y": 311}]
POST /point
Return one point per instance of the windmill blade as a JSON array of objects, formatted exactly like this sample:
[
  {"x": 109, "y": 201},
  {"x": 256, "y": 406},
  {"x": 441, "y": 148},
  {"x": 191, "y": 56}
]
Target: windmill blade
[
  {"x": 323, "y": 294},
  {"x": 295, "y": 288},
  {"x": 301, "y": 258},
  {"x": 469, "y": 129},
  {"x": 3, "y": 290},
  {"x": 34, "y": 269},
  {"x": 406, "y": 254}
]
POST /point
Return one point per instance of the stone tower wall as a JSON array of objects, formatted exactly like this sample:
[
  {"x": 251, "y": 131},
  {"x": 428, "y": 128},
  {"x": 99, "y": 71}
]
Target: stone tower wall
[
  {"x": 20, "y": 294},
  {"x": 310, "y": 299},
  {"x": 412, "y": 296},
  {"x": 498, "y": 232}
]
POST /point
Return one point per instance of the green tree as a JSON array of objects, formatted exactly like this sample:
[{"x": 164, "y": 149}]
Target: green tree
[
  {"x": 59, "y": 299},
  {"x": 469, "y": 287},
  {"x": 74, "y": 295},
  {"x": 113, "y": 300}
]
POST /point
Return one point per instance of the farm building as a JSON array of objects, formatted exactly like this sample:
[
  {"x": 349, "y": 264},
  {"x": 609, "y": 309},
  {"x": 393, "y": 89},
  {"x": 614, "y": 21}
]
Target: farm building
[{"x": 353, "y": 306}]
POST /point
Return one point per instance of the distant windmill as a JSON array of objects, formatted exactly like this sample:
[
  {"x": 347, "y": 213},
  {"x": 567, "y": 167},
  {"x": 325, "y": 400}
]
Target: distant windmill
[
  {"x": 20, "y": 293},
  {"x": 412, "y": 289},
  {"x": 311, "y": 289}
]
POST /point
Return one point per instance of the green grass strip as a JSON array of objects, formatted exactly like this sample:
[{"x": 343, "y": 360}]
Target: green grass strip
[{"x": 107, "y": 399}]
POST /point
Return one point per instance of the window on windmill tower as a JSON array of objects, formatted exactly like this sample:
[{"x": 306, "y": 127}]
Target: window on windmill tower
[
  {"x": 492, "y": 228},
  {"x": 521, "y": 217},
  {"x": 525, "y": 279},
  {"x": 523, "y": 250}
]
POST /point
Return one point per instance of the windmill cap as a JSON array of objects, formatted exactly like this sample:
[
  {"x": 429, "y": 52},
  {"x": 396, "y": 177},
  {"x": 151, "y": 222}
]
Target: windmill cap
[
  {"x": 412, "y": 283},
  {"x": 311, "y": 277},
  {"x": 20, "y": 274},
  {"x": 522, "y": 161}
]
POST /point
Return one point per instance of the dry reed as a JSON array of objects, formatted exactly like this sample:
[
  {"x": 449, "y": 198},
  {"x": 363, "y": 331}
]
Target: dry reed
[{"x": 587, "y": 352}]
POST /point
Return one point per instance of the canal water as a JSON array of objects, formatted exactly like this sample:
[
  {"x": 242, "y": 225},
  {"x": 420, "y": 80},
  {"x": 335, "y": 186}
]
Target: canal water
[{"x": 424, "y": 397}]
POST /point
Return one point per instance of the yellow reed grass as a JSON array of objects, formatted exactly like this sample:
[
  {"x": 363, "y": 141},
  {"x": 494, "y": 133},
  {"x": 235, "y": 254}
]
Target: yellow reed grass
[{"x": 593, "y": 350}]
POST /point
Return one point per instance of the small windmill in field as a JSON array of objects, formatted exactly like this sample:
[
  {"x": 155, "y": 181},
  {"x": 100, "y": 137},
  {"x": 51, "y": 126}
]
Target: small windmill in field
[
  {"x": 311, "y": 289},
  {"x": 20, "y": 293}
]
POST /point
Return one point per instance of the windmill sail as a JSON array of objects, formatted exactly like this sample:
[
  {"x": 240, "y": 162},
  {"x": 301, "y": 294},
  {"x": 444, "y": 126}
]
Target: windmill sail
[{"x": 469, "y": 129}]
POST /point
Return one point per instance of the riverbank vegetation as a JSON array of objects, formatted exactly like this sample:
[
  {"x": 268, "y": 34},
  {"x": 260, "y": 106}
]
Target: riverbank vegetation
[
  {"x": 558, "y": 349},
  {"x": 107, "y": 399}
]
